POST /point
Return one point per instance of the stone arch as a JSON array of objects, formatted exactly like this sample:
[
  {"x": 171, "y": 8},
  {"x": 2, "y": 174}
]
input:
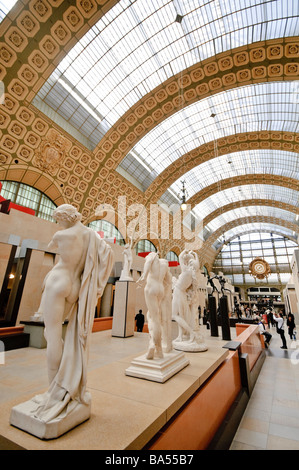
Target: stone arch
[
  {"x": 277, "y": 232},
  {"x": 250, "y": 202},
  {"x": 37, "y": 179},
  {"x": 237, "y": 67},
  {"x": 245, "y": 220},
  {"x": 264, "y": 140},
  {"x": 30, "y": 66},
  {"x": 243, "y": 180}
]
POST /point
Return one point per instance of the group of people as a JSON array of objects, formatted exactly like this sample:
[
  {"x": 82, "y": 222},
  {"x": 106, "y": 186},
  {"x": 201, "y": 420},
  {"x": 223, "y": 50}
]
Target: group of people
[{"x": 278, "y": 319}]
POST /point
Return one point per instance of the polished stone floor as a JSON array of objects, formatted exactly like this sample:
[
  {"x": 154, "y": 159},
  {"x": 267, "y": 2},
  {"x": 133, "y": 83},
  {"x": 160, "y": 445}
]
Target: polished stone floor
[{"x": 271, "y": 419}]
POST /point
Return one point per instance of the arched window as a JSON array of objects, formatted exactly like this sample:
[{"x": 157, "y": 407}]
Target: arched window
[
  {"x": 235, "y": 257},
  {"x": 108, "y": 229},
  {"x": 205, "y": 271},
  {"x": 172, "y": 256},
  {"x": 27, "y": 196},
  {"x": 145, "y": 246}
]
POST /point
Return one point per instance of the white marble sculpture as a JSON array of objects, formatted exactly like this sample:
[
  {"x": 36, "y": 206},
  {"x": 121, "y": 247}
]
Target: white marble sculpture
[
  {"x": 161, "y": 361},
  {"x": 185, "y": 303},
  {"x": 157, "y": 292},
  {"x": 128, "y": 258},
  {"x": 71, "y": 291}
]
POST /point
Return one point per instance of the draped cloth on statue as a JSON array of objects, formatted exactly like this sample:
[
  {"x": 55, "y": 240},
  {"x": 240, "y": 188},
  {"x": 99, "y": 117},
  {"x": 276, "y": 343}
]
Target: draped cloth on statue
[{"x": 69, "y": 385}]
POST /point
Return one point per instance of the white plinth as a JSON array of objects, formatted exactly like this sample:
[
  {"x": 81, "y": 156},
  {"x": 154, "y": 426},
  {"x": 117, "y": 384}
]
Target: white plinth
[
  {"x": 124, "y": 309},
  {"x": 187, "y": 346},
  {"x": 22, "y": 417},
  {"x": 158, "y": 370}
]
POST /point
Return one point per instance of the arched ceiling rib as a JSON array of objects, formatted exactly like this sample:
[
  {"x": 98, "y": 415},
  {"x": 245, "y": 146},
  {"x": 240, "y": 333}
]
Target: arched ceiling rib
[
  {"x": 267, "y": 192},
  {"x": 249, "y": 162},
  {"x": 259, "y": 229},
  {"x": 275, "y": 140},
  {"x": 265, "y": 221},
  {"x": 250, "y": 211},
  {"x": 252, "y": 108},
  {"x": 138, "y": 45},
  {"x": 245, "y": 203},
  {"x": 241, "y": 180}
]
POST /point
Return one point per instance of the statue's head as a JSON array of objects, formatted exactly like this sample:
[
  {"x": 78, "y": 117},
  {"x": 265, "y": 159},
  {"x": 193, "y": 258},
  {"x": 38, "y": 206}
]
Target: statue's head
[{"x": 67, "y": 212}]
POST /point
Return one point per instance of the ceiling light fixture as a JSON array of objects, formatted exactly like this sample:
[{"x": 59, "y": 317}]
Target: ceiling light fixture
[{"x": 184, "y": 196}]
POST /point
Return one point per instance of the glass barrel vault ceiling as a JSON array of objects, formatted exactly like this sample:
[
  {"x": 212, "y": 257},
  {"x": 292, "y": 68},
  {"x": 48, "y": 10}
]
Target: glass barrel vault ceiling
[
  {"x": 256, "y": 227},
  {"x": 137, "y": 45},
  {"x": 248, "y": 162},
  {"x": 248, "y": 192},
  {"x": 266, "y": 106},
  {"x": 249, "y": 211}
]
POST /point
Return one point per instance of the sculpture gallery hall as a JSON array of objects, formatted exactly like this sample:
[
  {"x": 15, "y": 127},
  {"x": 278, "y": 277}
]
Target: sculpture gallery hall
[{"x": 149, "y": 222}]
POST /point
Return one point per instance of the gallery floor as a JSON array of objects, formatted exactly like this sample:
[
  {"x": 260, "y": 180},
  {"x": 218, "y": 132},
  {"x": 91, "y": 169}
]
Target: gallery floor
[{"x": 270, "y": 420}]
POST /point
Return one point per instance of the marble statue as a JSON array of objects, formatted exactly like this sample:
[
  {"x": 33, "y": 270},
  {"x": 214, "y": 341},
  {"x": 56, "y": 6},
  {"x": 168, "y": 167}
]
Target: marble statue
[
  {"x": 157, "y": 292},
  {"x": 128, "y": 258},
  {"x": 70, "y": 291},
  {"x": 185, "y": 301},
  {"x": 161, "y": 361}
]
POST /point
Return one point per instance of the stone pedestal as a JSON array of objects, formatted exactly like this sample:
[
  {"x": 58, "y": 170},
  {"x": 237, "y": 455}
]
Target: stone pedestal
[
  {"x": 224, "y": 318},
  {"x": 23, "y": 417},
  {"x": 124, "y": 309},
  {"x": 158, "y": 369},
  {"x": 213, "y": 315},
  {"x": 190, "y": 346}
]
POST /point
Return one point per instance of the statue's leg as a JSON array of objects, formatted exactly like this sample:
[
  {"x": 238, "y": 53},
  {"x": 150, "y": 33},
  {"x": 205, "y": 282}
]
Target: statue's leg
[
  {"x": 54, "y": 306},
  {"x": 151, "y": 346}
]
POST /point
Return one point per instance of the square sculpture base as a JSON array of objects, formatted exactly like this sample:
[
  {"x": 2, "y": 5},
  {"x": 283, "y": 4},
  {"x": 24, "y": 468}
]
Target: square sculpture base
[
  {"x": 158, "y": 370},
  {"x": 22, "y": 417}
]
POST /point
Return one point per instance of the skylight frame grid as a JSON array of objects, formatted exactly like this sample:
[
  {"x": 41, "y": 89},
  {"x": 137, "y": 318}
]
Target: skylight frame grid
[
  {"x": 247, "y": 162},
  {"x": 253, "y": 191},
  {"x": 113, "y": 22},
  {"x": 241, "y": 106},
  {"x": 249, "y": 211}
]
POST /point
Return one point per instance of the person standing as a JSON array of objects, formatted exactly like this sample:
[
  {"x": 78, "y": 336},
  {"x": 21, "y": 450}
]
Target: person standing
[
  {"x": 280, "y": 329},
  {"x": 291, "y": 326},
  {"x": 139, "y": 320}
]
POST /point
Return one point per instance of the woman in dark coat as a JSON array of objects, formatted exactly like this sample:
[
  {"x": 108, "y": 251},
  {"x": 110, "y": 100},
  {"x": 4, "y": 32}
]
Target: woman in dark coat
[{"x": 291, "y": 326}]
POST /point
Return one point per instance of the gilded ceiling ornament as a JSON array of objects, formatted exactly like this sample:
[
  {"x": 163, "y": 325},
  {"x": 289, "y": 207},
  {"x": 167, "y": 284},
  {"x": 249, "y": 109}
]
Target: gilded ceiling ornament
[
  {"x": 51, "y": 152},
  {"x": 259, "y": 268}
]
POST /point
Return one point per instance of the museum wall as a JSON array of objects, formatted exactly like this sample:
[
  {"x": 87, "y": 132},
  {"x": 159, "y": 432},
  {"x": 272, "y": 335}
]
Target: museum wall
[{"x": 35, "y": 233}]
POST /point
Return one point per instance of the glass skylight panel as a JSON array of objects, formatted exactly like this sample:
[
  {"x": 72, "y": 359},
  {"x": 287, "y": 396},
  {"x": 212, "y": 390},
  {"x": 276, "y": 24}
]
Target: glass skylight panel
[
  {"x": 5, "y": 7},
  {"x": 257, "y": 227},
  {"x": 131, "y": 32},
  {"x": 249, "y": 211},
  {"x": 242, "y": 163},
  {"x": 253, "y": 191},
  {"x": 237, "y": 110}
]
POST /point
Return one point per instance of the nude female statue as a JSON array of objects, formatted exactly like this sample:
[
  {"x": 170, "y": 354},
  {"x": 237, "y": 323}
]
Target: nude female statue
[
  {"x": 71, "y": 291},
  {"x": 157, "y": 293},
  {"x": 62, "y": 284}
]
